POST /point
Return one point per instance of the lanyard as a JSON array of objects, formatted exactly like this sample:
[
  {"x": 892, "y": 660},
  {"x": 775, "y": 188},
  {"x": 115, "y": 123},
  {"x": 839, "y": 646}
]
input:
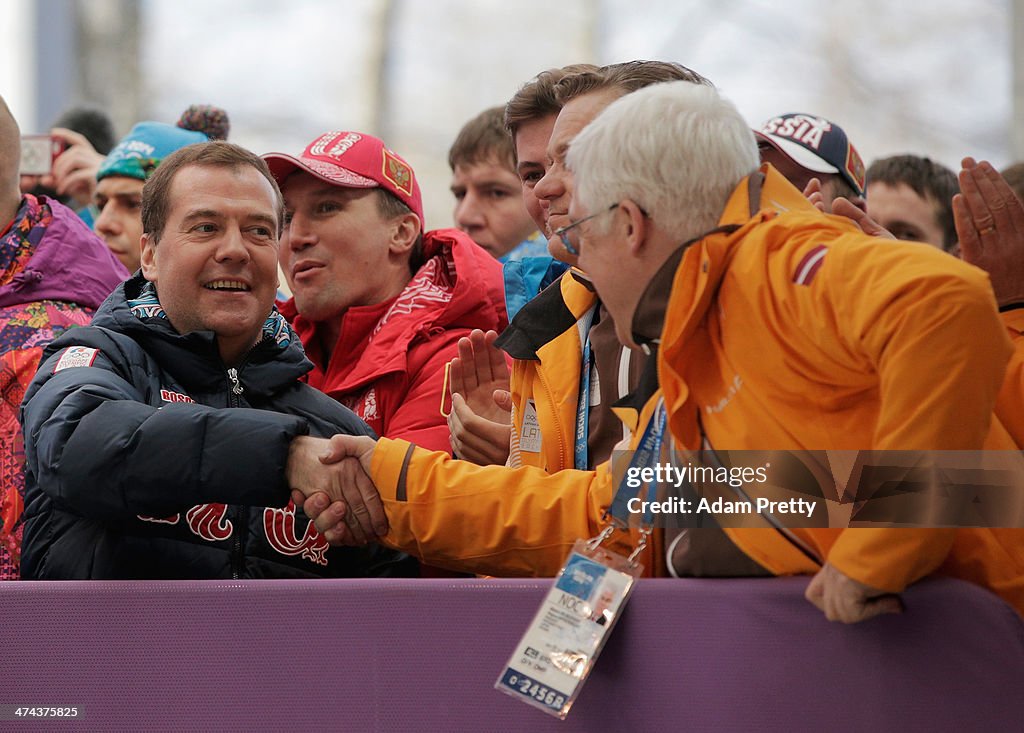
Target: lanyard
[
  {"x": 580, "y": 448},
  {"x": 646, "y": 455},
  {"x": 712, "y": 456}
]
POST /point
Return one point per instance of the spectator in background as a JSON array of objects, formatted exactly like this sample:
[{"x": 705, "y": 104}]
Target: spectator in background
[
  {"x": 802, "y": 147},
  {"x": 91, "y": 123},
  {"x": 529, "y": 118},
  {"x": 87, "y": 135},
  {"x": 488, "y": 196},
  {"x": 121, "y": 175},
  {"x": 481, "y": 420},
  {"x": 568, "y": 366},
  {"x": 54, "y": 272},
  {"x": 989, "y": 217},
  {"x": 162, "y": 440},
  {"x": 379, "y": 304},
  {"x": 912, "y": 197}
]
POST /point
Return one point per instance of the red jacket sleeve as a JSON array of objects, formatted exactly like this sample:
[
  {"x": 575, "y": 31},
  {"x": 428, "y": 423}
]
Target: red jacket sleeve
[{"x": 417, "y": 417}]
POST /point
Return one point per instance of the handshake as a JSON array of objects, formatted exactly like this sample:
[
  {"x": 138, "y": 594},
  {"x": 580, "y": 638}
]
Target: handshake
[{"x": 330, "y": 481}]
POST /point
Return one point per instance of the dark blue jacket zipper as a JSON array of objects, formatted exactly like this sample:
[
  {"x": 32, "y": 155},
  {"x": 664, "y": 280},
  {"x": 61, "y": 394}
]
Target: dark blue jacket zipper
[{"x": 242, "y": 515}]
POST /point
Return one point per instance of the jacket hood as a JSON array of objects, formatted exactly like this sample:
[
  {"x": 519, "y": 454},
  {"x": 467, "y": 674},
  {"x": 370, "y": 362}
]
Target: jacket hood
[
  {"x": 194, "y": 359},
  {"x": 478, "y": 295},
  {"x": 459, "y": 286},
  {"x": 760, "y": 197},
  {"x": 68, "y": 262}
]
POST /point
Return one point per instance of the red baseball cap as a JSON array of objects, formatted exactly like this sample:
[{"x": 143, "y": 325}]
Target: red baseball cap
[{"x": 352, "y": 160}]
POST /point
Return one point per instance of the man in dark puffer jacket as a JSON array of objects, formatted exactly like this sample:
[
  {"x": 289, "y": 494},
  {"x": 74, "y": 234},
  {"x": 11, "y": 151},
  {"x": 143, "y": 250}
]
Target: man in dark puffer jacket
[{"x": 163, "y": 440}]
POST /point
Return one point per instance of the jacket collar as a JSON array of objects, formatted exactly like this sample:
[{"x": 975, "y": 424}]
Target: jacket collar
[
  {"x": 552, "y": 312},
  {"x": 458, "y": 286},
  {"x": 193, "y": 359},
  {"x": 758, "y": 198}
]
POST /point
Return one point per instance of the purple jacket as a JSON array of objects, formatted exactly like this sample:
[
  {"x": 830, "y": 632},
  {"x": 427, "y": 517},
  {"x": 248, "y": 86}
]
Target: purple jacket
[
  {"x": 69, "y": 262},
  {"x": 54, "y": 272}
]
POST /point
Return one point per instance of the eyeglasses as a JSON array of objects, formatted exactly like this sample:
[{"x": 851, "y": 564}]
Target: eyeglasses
[{"x": 563, "y": 232}]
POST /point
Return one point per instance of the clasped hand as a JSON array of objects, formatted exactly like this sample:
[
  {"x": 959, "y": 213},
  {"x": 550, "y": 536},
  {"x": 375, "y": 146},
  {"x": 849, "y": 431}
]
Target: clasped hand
[{"x": 330, "y": 481}]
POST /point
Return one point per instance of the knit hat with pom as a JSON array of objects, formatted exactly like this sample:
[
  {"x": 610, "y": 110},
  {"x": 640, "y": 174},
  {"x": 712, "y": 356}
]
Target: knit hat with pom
[{"x": 141, "y": 150}]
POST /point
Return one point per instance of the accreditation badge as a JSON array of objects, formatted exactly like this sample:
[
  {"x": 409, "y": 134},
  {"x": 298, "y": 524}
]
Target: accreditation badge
[{"x": 558, "y": 650}]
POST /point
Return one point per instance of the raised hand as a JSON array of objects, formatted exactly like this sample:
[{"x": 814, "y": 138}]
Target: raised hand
[
  {"x": 74, "y": 170},
  {"x": 990, "y": 226},
  {"x": 812, "y": 192},
  {"x": 844, "y": 207},
  {"x": 480, "y": 420}
]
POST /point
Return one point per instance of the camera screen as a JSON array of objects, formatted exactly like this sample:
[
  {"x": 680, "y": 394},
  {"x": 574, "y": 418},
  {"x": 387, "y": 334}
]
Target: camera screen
[{"x": 37, "y": 153}]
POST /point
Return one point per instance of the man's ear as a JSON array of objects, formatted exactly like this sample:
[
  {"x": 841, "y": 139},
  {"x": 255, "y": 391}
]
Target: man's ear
[
  {"x": 405, "y": 230},
  {"x": 634, "y": 224},
  {"x": 148, "y": 259}
]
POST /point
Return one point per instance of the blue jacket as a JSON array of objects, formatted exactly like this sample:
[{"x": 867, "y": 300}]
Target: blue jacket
[{"x": 147, "y": 458}]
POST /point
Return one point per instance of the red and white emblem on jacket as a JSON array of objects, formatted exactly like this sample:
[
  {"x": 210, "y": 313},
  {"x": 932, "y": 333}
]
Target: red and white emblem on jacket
[
  {"x": 369, "y": 411},
  {"x": 76, "y": 356},
  {"x": 809, "y": 265},
  {"x": 170, "y": 396},
  {"x": 364, "y": 405},
  {"x": 430, "y": 287},
  {"x": 279, "y": 526},
  {"x": 173, "y": 519},
  {"x": 208, "y": 521}
]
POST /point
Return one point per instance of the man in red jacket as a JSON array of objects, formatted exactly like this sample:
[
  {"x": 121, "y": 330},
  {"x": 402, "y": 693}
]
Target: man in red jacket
[{"x": 379, "y": 305}]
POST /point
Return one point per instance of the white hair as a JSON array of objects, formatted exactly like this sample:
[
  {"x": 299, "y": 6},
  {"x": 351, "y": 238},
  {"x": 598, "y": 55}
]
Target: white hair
[{"x": 677, "y": 149}]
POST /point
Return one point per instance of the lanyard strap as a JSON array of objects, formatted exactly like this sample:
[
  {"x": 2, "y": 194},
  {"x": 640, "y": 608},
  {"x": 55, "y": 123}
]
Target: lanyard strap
[
  {"x": 646, "y": 455},
  {"x": 581, "y": 452},
  {"x": 712, "y": 455}
]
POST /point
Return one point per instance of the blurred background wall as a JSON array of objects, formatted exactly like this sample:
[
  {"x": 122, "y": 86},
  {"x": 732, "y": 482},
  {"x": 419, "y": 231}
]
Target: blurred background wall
[{"x": 941, "y": 78}]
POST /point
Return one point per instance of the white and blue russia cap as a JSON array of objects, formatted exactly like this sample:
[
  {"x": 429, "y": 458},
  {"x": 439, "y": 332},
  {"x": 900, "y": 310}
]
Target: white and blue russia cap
[{"x": 816, "y": 144}]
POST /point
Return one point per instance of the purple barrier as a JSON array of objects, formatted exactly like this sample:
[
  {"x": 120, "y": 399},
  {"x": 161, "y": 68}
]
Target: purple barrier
[{"x": 424, "y": 655}]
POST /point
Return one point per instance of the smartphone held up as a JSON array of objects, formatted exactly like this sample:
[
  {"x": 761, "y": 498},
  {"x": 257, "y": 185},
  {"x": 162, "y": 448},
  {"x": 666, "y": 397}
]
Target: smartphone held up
[{"x": 38, "y": 153}]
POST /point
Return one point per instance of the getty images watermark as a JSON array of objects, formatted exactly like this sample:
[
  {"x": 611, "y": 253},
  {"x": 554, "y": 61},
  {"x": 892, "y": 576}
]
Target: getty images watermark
[
  {"x": 824, "y": 489},
  {"x": 735, "y": 477}
]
